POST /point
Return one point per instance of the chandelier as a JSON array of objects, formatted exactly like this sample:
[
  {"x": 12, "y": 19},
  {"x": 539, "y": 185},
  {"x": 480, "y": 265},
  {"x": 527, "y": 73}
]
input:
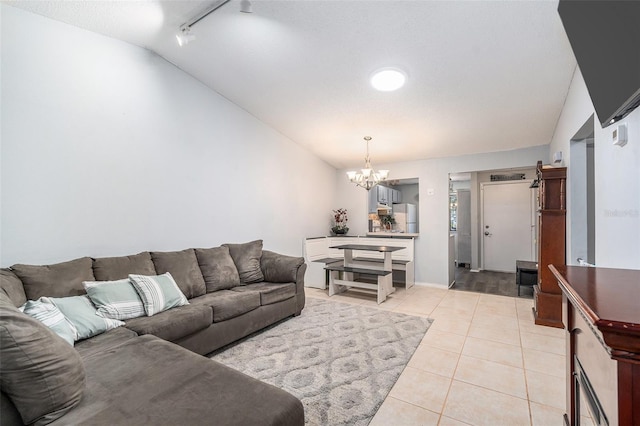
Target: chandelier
[{"x": 367, "y": 178}]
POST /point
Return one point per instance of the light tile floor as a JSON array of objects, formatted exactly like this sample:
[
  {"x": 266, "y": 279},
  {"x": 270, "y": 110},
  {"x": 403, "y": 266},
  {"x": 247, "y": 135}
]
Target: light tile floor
[{"x": 482, "y": 362}]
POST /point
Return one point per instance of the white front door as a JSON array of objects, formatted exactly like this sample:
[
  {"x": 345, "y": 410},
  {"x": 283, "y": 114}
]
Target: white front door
[{"x": 506, "y": 225}]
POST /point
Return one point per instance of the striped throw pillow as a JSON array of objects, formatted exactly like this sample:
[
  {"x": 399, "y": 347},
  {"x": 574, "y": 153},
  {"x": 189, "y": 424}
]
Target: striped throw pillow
[
  {"x": 82, "y": 314},
  {"x": 115, "y": 299},
  {"x": 50, "y": 315},
  {"x": 158, "y": 292}
]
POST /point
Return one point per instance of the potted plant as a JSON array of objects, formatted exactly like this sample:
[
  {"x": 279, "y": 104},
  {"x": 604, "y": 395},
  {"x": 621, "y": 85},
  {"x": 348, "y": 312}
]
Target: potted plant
[
  {"x": 388, "y": 221},
  {"x": 340, "y": 220}
]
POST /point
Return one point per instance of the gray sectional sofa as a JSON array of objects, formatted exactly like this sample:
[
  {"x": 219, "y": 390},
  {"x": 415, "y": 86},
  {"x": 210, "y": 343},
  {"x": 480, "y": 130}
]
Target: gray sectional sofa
[{"x": 151, "y": 370}]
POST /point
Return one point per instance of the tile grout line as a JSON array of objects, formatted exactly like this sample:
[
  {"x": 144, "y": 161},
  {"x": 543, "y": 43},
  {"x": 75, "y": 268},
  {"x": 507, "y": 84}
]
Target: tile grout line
[
  {"x": 524, "y": 371},
  {"x": 446, "y": 397}
]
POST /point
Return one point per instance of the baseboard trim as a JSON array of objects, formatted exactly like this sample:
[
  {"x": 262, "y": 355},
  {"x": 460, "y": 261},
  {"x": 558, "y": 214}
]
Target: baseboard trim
[{"x": 435, "y": 285}]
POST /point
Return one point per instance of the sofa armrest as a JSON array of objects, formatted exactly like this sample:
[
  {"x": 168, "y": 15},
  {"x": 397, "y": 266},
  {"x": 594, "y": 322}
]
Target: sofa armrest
[{"x": 278, "y": 268}]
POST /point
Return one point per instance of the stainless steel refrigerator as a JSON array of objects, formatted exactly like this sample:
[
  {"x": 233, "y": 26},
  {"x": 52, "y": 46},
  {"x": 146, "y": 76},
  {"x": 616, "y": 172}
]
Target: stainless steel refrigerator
[{"x": 406, "y": 217}]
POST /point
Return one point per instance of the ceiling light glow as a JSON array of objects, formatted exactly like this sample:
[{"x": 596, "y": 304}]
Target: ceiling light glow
[{"x": 388, "y": 79}]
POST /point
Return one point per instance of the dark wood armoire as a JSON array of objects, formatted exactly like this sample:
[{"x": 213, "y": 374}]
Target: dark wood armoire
[{"x": 552, "y": 210}]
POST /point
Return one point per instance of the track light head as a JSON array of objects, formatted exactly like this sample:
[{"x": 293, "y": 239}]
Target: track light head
[
  {"x": 246, "y": 6},
  {"x": 185, "y": 36}
]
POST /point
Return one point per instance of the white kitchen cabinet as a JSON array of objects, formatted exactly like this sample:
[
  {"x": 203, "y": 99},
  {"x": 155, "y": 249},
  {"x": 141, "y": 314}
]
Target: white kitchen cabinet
[
  {"x": 396, "y": 196},
  {"x": 383, "y": 194},
  {"x": 373, "y": 200}
]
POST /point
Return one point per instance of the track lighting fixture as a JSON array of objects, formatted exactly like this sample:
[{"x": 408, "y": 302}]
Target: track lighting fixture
[{"x": 184, "y": 35}]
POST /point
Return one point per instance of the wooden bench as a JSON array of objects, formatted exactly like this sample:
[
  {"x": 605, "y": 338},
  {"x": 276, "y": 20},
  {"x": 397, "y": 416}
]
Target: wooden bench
[
  {"x": 403, "y": 271},
  {"x": 337, "y": 285}
]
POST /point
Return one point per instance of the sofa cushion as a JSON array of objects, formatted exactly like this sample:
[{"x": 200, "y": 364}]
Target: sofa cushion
[
  {"x": 247, "y": 259},
  {"x": 43, "y": 375},
  {"x": 174, "y": 323},
  {"x": 11, "y": 285},
  {"x": 115, "y": 299},
  {"x": 147, "y": 381},
  {"x": 228, "y": 304},
  {"x": 158, "y": 293},
  {"x": 183, "y": 266},
  {"x": 82, "y": 314},
  {"x": 270, "y": 292},
  {"x": 218, "y": 269},
  {"x": 117, "y": 268},
  {"x": 58, "y": 280},
  {"x": 49, "y": 314},
  {"x": 104, "y": 342},
  {"x": 9, "y": 414}
]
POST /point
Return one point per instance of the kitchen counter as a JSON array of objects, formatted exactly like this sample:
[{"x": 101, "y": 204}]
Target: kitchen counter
[
  {"x": 392, "y": 234},
  {"x": 371, "y": 234},
  {"x": 336, "y": 236}
]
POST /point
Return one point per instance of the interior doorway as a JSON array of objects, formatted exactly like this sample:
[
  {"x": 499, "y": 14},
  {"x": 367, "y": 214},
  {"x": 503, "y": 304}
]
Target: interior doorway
[
  {"x": 466, "y": 186},
  {"x": 582, "y": 196},
  {"x": 506, "y": 225}
]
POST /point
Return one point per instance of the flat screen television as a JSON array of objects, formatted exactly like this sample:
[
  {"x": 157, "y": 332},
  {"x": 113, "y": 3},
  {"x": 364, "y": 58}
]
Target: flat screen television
[{"x": 605, "y": 38}]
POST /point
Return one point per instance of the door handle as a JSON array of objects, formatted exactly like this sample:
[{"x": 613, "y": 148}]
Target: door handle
[{"x": 487, "y": 233}]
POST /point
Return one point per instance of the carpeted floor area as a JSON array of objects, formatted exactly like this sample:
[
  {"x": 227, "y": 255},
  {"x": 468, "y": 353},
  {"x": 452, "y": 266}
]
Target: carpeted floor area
[{"x": 339, "y": 359}]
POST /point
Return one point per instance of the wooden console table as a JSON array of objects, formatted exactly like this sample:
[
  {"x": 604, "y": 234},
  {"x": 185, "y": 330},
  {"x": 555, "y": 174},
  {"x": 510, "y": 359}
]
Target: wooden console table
[
  {"x": 601, "y": 309},
  {"x": 384, "y": 284}
]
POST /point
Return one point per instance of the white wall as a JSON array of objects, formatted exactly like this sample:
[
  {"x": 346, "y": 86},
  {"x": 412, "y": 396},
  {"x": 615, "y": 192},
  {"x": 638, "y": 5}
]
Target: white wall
[
  {"x": 107, "y": 149},
  {"x": 433, "y": 174},
  {"x": 617, "y": 180}
]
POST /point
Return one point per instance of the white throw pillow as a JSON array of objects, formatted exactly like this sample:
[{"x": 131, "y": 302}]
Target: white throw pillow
[
  {"x": 115, "y": 299},
  {"x": 48, "y": 314},
  {"x": 83, "y": 315},
  {"x": 158, "y": 292}
]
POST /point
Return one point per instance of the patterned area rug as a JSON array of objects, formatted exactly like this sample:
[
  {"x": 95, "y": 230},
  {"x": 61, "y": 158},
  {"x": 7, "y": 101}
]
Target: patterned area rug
[{"x": 340, "y": 360}]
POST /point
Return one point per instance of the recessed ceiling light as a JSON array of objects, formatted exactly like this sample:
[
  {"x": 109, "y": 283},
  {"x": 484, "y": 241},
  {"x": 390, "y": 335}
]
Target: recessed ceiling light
[{"x": 388, "y": 79}]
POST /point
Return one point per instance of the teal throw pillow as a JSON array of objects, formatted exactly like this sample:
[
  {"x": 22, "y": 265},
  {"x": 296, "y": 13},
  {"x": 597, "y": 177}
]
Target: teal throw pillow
[
  {"x": 48, "y": 314},
  {"x": 158, "y": 292},
  {"x": 115, "y": 299},
  {"x": 83, "y": 315}
]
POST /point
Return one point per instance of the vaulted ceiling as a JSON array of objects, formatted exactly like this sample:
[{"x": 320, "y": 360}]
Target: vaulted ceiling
[{"x": 482, "y": 75}]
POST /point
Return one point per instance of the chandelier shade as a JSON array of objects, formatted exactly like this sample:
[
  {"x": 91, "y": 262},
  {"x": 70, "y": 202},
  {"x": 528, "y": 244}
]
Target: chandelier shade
[{"x": 367, "y": 178}]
